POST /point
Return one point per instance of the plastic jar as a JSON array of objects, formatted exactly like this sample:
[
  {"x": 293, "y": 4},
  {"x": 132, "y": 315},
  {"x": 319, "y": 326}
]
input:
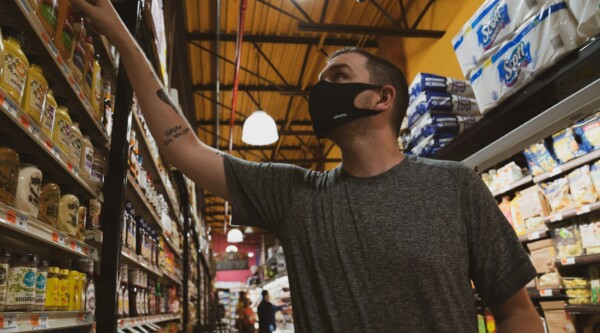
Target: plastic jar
[
  {"x": 88, "y": 71},
  {"x": 49, "y": 198},
  {"x": 94, "y": 214},
  {"x": 62, "y": 130},
  {"x": 68, "y": 207},
  {"x": 75, "y": 150},
  {"x": 29, "y": 186},
  {"x": 20, "y": 290},
  {"x": 65, "y": 34},
  {"x": 16, "y": 65},
  {"x": 81, "y": 222},
  {"x": 36, "y": 91},
  {"x": 4, "y": 268},
  {"x": 89, "y": 300},
  {"x": 82, "y": 289},
  {"x": 87, "y": 158},
  {"x": 52, "y": 289},
  {"x": 97, "y": 174},
  {"x": 63, "y": 290},
  {"x": 48, "y": 14},
  {"x": 74, "y": 290},
  {"x": 40, "y": 286},
  {"x": 9, "y": 175},
  {"x": 48, "y": 116}
]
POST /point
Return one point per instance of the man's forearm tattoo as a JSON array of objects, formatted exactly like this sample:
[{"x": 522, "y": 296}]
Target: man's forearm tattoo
[{"x": 174, "y": 133}]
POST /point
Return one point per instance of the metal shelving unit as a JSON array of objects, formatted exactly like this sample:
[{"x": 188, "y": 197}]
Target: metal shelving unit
[{"x": 16, "y": 322}]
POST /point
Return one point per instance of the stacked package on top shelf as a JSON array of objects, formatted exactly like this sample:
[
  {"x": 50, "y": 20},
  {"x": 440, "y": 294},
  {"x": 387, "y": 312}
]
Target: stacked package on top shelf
[
  {"x": 535, "y": 46},
  {"x": 440, "y": 108},
  {"x": 491, "y": 24},
  {"x": 587, "y": 14}
]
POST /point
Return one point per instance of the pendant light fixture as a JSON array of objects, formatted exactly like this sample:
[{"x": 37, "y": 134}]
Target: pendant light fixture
[
  {"x": 235, "y": 236},
  {"x": 231, "y": 248},
  {"x": 259, "y": 129}
]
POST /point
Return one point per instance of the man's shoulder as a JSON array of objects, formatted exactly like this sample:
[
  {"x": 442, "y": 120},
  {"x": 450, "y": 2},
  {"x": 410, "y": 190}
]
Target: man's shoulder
[{"x": 439, "y": 167}]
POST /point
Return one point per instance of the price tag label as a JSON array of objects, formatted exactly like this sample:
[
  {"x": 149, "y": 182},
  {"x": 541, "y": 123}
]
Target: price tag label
[
  {"x": 556, "y": 217},
  {"x": 11, "y": 216},
  {"x": 546, "y": 292},
  {"x": 533, "y": 236},
  {"x": 86, "y": 250},
  {"x": 555, "y": 171},
  {"x": 25, "y": 121},
  {"x": 58, "y": 237},
  {"x": 39, "y": 321},
  {"x": 56, "y": 151},
  {"x": 567, "y": 261},
  {"x": 34, "y": 130},
  {"x": 12, "y": 109},
  {"x": 21, "y": 221},
  {"x": 72, "y": 80},
  {"x": 60, "y": 59},
  {"x": 45, "y": 37},
  {"x": 8, "y": 321},
  {"x": 505, "y": 189},
  {"x": 75, "y": 171},
  {"x": 583, "y": 209}
]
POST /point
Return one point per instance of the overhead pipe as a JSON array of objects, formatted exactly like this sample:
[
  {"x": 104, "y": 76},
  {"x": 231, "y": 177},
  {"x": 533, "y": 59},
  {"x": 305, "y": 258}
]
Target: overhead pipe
[
  {"x": 218, "y": 76},
  {"x": 236, "y": 80}
]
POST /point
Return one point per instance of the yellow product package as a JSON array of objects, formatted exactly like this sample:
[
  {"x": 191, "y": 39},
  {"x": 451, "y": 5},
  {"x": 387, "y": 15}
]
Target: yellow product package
[
  {"x": 516, "y": 218},
  {"x": 557, "y": 194},
  {"x": 581, "y": 186}
]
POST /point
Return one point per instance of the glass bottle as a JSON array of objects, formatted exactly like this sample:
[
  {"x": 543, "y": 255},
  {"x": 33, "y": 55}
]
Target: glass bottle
[
  {"x": 87, "y": 267},
  {"x": 77, "y": 61},
  {"x": 65, "y": 34},
  {"x": 63, "y": 290},
  {"x": 87, "y": 158},
  {"x": 41, "y": 283},
  {"x": 53, "y": 289},
  {"x": 74, "y": 290},
  {"x": 47, "y": 13},
  {"x": 20, "y": 294}
]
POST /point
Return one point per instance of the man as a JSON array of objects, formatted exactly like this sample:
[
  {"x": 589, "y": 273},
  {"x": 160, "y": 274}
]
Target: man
[
  {"x": 266, "y": 314},
  {"x": 383, "y": 243}
]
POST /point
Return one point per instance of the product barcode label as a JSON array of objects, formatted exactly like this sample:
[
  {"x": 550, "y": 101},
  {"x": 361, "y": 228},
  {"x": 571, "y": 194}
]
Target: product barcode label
[
  {"x": 12, "y": 109},
  {"x": 16, "y": 219},
  {"x": 546, "y": 292},
  {"x": 583, "y": 209},
  {"x": 556, "y": 217},
  {"x": 39, "y": 321},
  {"x": 8, "y": 322},
  {"x": 21, "y": 221},
  {"x": 567, "y": 261},
  {"x": 533, "y": 236}
]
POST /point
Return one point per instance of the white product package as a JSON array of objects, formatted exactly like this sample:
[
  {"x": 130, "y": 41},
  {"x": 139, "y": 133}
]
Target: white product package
[
  {"x": 434, "y": 83},
  {"x": 536, "y": 46},
  {"x": 587, "y": 14},
  {"x": 494, "y": 22},
  {"x": 441, "y": 123},
  {"x": 440, "y": 102}
]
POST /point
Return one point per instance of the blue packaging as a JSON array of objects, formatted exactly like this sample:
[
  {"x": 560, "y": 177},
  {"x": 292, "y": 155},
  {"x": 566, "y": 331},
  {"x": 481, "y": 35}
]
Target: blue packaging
[
  {"x": 429, "y": 101},
  {"x": 539, "y": 158},
  {"x": 589, "y": 131},
  {"x": 435, "y": 83},
  {"x": 432, "y": 145},
  {"x": 440, "y": 123},
  {"x": 566, "y": 146}
]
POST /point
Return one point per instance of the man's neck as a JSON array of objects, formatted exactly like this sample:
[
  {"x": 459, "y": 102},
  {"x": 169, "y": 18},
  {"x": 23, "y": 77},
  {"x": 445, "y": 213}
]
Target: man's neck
[{"x": 370, "y": 156}]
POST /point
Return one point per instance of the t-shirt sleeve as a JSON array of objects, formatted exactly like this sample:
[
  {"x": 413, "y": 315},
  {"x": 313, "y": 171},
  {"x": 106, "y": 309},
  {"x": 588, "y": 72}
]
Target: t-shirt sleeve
[
  {"x": 498, "y": 263},
  {"x": 261, "y": 193}
]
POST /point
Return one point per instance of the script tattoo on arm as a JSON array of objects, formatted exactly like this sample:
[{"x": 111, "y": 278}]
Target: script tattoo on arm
[{"x": 174, "y": 133}]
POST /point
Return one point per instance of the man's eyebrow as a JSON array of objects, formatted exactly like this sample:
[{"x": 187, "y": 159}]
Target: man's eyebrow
[{"x": 334, "y": 68}]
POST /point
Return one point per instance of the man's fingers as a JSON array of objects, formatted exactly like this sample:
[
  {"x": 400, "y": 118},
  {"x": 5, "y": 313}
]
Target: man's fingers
[{"x": 84, "y": 6}]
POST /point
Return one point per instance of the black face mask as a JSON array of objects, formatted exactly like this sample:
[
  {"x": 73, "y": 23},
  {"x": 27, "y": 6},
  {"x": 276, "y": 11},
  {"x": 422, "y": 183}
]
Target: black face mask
[{"x": 332, "y": 104}]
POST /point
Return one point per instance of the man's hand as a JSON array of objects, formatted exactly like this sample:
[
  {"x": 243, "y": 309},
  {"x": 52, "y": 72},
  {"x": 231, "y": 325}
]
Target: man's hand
[{"x": 101, "y": 17}]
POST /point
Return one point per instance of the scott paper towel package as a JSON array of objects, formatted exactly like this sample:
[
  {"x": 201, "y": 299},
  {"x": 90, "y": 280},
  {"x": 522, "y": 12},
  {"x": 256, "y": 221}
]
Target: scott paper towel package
[
  {"x": 442, "y": 102},
  {"x": 536, "y": 46},
  {"x": 435, "y": 83},
  {"x": 587, "y": 14},
  {"x": 432, "y": 123},
  {"x": 493, "y": 22}
]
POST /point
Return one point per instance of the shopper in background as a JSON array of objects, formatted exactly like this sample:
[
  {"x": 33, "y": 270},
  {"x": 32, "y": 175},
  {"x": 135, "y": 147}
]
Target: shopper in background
[
  {"x": 384, "y": 242},
  {"x": 266, "y": 314},
  {"x": 239, "y": 309},
  {"x": 248, "y": 316}
]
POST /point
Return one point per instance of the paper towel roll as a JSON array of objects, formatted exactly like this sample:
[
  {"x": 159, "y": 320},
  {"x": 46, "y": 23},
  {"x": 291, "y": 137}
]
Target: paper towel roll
[{"x": 587, "y": 14}]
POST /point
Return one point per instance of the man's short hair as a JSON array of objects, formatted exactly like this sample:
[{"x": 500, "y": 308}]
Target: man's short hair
[
  {"x": 383, "y": 72},
  {"x": 264, "y": 293}
]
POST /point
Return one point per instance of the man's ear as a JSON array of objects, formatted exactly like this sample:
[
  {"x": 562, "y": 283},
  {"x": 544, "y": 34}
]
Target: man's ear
[{"x": 387, "y": 94}]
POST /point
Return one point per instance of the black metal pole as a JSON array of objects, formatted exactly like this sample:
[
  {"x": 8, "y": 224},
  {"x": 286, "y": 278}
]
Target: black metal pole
[
  {"x": 114, "y": 187},
  {"x": 184, "y": 203}
]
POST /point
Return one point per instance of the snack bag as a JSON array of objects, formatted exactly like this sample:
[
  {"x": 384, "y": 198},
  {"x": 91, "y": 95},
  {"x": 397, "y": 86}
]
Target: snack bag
[
  {"x": 568, "y": 241},
  {"x": 590, "y": 236},
  {"x": 581, "y": 186},
  {"x": 566, "y": 146},
  {"x": 589, "y": 131},
  {"x": 557, "y": 194},
  {"x": 539, "y": 158}
]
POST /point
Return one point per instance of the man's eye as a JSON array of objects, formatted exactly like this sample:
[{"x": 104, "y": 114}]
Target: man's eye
[{"x": 339, "y": 76}]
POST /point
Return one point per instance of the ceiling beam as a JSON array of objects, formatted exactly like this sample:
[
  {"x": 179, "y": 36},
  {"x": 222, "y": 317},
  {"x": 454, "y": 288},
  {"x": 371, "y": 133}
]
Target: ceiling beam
[
  {"x": 369, "y": 30},
  {"x": 261, "y": 148},
  {"x": 249, "y": 87},
  {"x": 209, "y": 122},
  {"x": 280, "y": 39},
  {"x": 382, "y": 11}
]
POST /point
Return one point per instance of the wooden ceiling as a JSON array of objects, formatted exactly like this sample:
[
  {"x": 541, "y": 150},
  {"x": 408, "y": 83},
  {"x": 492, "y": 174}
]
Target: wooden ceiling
[{"x": 286, "y": 44}]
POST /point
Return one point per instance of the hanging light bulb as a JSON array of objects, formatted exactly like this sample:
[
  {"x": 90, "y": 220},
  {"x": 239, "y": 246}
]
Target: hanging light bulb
[
  {"x": 259, "y": 129},
  {"x": 235, "y": 236},
  {"x": 231, "y": 248},
  {"x": 248, "y": 230},
  {"x": 250, "y": 254}
]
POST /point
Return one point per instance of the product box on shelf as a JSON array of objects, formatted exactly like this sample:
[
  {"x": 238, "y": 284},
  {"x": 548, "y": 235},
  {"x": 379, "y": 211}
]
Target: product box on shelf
[
  {"x": 507, "y": 175},
  {"x": 587, "y": 14},
  {"x": 435, "y": 123},
  {"x": 436, "y": 83},
  {"x": 536, "y": 46},
  {"x": 542, "y": 254},
  {"x": 533, "y": 203},
  {"x": 493, "y": 22},
  {"x": 590, "y": 236},
  {"x": 440, "y": 102},
  {"x": 557, "y": 319}
]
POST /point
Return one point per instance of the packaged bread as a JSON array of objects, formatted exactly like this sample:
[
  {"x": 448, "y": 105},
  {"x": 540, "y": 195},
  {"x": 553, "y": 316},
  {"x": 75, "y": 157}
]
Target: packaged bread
[
  {"x": 581, "y": 186},
  {"x": 557, "y": 194}
]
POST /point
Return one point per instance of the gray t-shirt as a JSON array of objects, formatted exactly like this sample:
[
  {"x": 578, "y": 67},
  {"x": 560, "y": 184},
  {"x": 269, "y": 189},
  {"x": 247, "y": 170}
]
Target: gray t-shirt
[{"x": 390, "y": 253}]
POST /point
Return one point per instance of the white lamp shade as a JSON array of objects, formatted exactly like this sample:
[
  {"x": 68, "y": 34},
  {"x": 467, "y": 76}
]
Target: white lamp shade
[
  {"x": 231, "y": 248},
  {"x": 259, "y": 129},
  {"x": 248, "y": 230},
  {"x": 235, "y": 236},
  {"x": 250, "y": 254}
]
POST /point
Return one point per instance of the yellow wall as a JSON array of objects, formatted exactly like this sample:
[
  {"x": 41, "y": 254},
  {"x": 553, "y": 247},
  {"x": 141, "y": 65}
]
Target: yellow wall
[{"x": 436, "y": 55}]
